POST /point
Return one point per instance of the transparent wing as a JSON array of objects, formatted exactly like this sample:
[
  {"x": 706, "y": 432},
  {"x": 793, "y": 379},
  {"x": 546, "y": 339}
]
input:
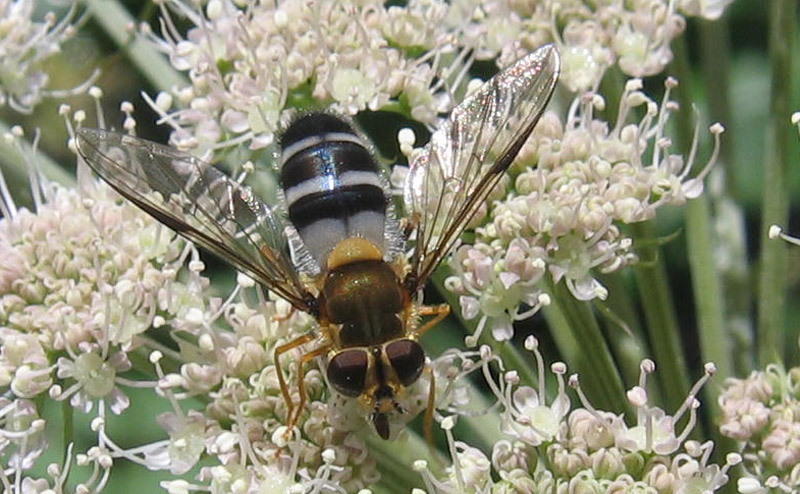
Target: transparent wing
[
  {"x": 469, "y": 153},
  {"x": 199, "y": 202}
]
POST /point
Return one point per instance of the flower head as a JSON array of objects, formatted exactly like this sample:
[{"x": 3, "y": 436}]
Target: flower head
[
  {"x": 249, "y": 67},
  {"x": 25, "y": 44},
  {"x": 563, "y": 217},
  {"x": 555, "y": 447},
  {"x": 763, "y": 412}
]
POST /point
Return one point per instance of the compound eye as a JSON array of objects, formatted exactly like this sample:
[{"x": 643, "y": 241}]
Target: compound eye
[
  {"x": 407, "y": 358},
  {"x": 347, "y": 372}
]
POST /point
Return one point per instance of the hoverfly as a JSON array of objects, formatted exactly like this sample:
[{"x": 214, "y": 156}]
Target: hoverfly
[{"x": 365, "y": 297}]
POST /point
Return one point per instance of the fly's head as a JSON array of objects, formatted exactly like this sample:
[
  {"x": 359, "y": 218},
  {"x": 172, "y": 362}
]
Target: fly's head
[{"x": 377, "y": 376}]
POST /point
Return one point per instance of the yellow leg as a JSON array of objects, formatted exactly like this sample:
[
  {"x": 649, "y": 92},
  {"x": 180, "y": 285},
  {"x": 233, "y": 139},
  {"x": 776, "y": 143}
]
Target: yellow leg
[
  {"x": 301, "y": 385},
  {"x": 438, "y": 311},
  {"x": 280, "y": 350},
  {"x": 277, "y": 318}
]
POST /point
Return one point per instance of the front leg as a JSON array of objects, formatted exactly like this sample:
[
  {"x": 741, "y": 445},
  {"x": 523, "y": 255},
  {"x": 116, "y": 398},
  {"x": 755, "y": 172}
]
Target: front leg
[
  {"x": 276, "y": 358},
  {"x": 301, "y": 385},
  {"x": 439, "y": 312}
]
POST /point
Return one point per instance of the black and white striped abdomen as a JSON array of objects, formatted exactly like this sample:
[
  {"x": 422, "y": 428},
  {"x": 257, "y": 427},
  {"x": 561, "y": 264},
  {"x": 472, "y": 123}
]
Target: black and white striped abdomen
[{"x": 331, "y": 183}]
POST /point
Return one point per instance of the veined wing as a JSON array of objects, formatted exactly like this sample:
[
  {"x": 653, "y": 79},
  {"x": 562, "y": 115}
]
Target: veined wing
[
  {"x": 199, "y": 202},
  {"x": 470, "y": 152}
]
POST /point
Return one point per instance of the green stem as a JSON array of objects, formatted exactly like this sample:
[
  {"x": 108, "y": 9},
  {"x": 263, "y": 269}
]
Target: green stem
[
  {"x": 714, "y": 52},
  {"x": 659, "y": 311},
  {"x": 736, "y": 280},
  {"x": 582, "y": 344},
  {"x": 611, "y": 87},
  {"x": 707, "y": 287},
  {"x": 708, "y": 292},
  {"x": 628, "y": 348},
  {"x": 772, "y": 278},
  {"x": 706, "y": 284},
  {"x": 68, "y": 428},
  {"x": 114, "y": 19}
]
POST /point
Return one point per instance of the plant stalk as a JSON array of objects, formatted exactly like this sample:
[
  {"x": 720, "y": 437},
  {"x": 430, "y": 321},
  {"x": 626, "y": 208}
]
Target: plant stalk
[
  {"x": 155, "y": 67},
  {"x": 582, "y": 344},
  {"x": 662, "y": 327},
  {"x": 772, "y": 277}
]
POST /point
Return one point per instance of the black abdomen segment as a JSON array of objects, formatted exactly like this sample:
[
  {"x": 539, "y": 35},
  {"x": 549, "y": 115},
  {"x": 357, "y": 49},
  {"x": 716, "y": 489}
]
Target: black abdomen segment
[{"x": 331, "y": 183}]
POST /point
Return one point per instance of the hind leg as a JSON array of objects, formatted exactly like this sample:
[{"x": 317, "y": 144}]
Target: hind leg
[
  {"x": 301, "y": 385},
  {"x": 280, "y": 350}
]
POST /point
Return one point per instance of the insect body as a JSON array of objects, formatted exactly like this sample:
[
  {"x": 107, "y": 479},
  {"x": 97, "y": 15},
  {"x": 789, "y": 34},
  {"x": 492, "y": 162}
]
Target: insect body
[
  {"x": 336, "y": 202},
  {"x": 364, "y": 296}
]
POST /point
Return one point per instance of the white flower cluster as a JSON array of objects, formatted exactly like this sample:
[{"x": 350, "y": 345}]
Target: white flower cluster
[
  {"x": 592, "y": 36},
  {"x": 251, "y": 63},
  {"x": 87, "y": 279},
  {"x": 763, "y": 412},
  {"x": 554, "y": 448},
  {"x": 82, "y": 276},
  {"x": 25, "y": 44},
  {"x": 562, "y": 217},
  {"x": 247, "y": 66}
]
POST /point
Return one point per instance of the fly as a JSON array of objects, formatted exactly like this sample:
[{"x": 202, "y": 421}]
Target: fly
[{"x": 365, "y": 292}]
